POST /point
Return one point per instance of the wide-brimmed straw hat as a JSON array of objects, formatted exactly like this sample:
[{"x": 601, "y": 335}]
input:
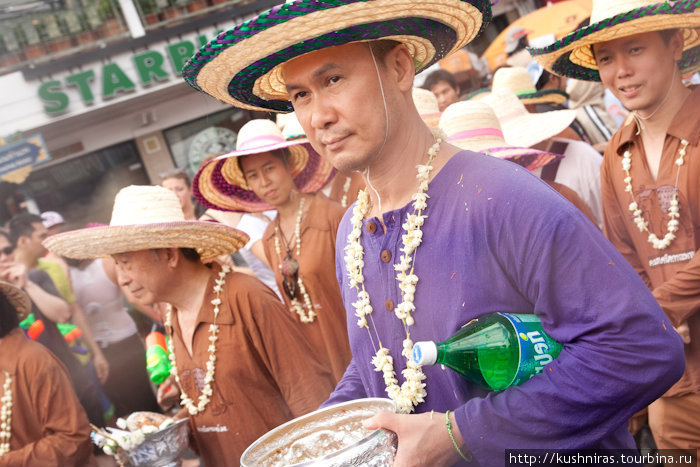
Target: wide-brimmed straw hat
[
  {"x": 146, "y": 218},
  {"x": 572, "y": 56},
  {"x": 241, "y": 66},
  {"x": 474, "y": 126},
  {"x": 18, "y": 299},
  {"x": 427, "y": 106},
  {"x": 522, "y": 128},
  {"x": 518, "y": 80},
  {"x": 220, "y": 183}
]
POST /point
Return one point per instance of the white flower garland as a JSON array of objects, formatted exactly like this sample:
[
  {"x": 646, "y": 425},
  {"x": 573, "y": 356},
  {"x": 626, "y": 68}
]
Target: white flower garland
[
  {"x": 303, "y": 315},
  {"x": 412, "y": 391},
  {"x": 673, "y": 214},
  {"x": 6, "y": 414},
  {"x": 346, "y": 188},
  {"x": 204, "y": 398}
]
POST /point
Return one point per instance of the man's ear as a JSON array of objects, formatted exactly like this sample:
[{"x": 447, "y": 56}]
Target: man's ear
[
  {"x": 676, "y": 44},
  {"x": 400, "y": 63}
]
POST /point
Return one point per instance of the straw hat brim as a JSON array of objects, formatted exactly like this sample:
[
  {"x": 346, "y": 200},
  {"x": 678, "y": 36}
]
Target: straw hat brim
[
  {"x": 18, "y": 299},
  {"x": 571, "y": 56},
  {"x": 548, "y": 96},
  {"x": 208, "y": 238},
  {"x": 530, "y": 159},
  {"x": 532, "y": 128},
  {"x": 432, "y": 120},
  {"x": 241, "y": 66},
  {"x": 220, "y": 184}
]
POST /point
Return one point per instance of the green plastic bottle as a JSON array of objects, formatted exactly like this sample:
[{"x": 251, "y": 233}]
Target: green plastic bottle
[{"x": 496, "y": 351}]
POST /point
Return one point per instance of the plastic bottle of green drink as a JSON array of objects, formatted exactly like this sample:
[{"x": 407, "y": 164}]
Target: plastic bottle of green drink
[{"x": 495, "y": 351}]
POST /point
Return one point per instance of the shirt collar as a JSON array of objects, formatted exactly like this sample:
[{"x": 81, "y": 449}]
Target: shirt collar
[{"x": 683, "y": 126}]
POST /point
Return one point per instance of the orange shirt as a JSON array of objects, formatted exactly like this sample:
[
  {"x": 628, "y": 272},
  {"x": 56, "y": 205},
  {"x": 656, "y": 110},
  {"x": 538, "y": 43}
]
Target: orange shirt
[
  {"x": 266, "y": 373},
  {"x": 673, "y": 274},
  {"x": 328, "y": 334},
  {"x": 49, "y": 426}
]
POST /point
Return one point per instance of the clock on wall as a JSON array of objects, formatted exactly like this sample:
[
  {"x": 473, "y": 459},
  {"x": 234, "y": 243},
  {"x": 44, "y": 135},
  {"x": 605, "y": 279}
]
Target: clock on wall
[{"x": 214, "y": 140}]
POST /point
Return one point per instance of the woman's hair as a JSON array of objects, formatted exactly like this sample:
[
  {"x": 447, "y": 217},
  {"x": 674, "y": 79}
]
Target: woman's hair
[
  {"x": 176, "y": 173},
  {"x": 8, "y": 316}
]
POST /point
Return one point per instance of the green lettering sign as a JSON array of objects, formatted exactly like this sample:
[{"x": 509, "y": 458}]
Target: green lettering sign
[
  {"x": 82, "y": 81},
  {"x": 55, "y": 100},
  {"x": 150, "y": 66},
  {"x": 180, "y": 52},
  {"x": 114, "y": 80}
]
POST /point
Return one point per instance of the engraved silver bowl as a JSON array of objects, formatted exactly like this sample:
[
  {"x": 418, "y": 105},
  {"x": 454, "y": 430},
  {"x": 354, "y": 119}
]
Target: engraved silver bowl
[
  {"x": 334, "y": 427},
  {"x": 162, "y": 448}
]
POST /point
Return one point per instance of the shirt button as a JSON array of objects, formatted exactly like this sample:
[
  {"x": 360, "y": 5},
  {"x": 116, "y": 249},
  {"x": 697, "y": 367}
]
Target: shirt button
[
  {"x": 388, "y": 304},
  {"x": 371, "y": 227},
  {"x": 385, "y": 256}
]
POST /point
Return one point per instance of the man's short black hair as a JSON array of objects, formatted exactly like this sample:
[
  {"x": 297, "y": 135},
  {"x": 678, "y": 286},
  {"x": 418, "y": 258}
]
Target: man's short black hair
[
  {"x": 380, "y": 48},
  {"x": 190, "y": 254},
  {"x": 4, "y": 233},
  {"x": 440, "y": 75},
  {"x": 8, "y": 316},
  {"x": 21, "y": 226}
]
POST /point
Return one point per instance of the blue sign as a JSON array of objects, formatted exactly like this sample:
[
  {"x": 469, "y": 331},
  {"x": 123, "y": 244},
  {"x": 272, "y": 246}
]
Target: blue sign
[{"x": 22, "y": 154}]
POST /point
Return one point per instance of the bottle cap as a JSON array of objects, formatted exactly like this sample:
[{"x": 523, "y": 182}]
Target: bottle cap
[{"x": 424, "y": 353}]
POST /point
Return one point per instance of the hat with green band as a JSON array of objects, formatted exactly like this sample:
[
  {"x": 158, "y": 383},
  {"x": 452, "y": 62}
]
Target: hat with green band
[
  {"x": 518, "y": 80},
  {"x": 572, "y": 56},
  {"x": 241, "y": 66}
]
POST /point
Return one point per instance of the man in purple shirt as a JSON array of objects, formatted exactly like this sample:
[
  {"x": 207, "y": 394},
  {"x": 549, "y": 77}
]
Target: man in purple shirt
[{"x": 473, "y": 235}]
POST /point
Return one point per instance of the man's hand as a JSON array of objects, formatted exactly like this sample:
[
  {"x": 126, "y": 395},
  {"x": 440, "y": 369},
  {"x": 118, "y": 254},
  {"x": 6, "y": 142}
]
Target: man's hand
[
  {"x": 101, "y": 367},
  {"x": 168, "y": 393},
  {"x": 423, "y": 438},
  {"x": 15, "y": 274},
  {"x": 684, "y": 331}
]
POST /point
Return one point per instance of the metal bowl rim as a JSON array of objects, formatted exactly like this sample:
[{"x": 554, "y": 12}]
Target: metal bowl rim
[{"x": 315, "y": 412}]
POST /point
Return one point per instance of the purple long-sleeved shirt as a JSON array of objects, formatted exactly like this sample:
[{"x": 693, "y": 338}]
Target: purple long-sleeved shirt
[{"x": 497, "y": 239}]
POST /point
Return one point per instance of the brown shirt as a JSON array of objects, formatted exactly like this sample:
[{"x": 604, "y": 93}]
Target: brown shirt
[
  {"x": 266, "y": 373},
  {"x": 49, "y": 427},
  {"x": 673, "y": 274},
  {"x": 328, "y": 334},
  {"x": 339, "y": 192}
]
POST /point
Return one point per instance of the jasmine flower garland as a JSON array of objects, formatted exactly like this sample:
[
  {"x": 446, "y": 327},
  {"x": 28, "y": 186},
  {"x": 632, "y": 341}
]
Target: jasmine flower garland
[
  {"x": 6, "y": 414},
  {"x": 412, "y": 391}
]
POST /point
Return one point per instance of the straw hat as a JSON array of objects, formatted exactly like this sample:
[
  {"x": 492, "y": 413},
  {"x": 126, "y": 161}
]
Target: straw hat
[
  {"x": 220, "y": 183},
  {"x": 474, "y": 126},
  {"x": 18, "y": 299},
  {"x": 518, "y": 80},
  {"x": 427, "y": 106},
  {"x": 145, "y": 218},
  {"x": 241, "y": 66},
  {"x": 292, "y": 130},
  {"x": 571, "y": 56},
  {"x": 522, "y": 128}
]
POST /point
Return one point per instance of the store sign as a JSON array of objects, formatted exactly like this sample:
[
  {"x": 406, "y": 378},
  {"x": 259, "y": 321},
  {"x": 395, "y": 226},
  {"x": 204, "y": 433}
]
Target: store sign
[
  {"x": 17, "y": 159},
  {"x": 105, "y": 82}
]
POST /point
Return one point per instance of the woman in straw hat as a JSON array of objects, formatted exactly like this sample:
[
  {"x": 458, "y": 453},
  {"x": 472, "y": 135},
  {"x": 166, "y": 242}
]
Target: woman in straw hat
[
  {"x": 651, "y": 204},
  {"x": 267, "y": 171},
  {"x": 474, "y": 126},
  {"x": 41, "y": 420},
  {"x": 443, "y": 236},
  {"x": 211, "y": 312}
]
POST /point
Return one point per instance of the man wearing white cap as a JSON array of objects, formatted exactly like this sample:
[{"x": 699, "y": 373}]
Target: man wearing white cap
[
  {"x": 443, "y": 236},
  {"x": 269, "y": 375}
]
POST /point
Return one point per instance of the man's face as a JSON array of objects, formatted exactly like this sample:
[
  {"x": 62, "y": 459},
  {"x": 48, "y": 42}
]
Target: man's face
[
  {"x": 337, "y": 99},
  {"x": 31, "y": 244},
  {"x": 638, "y": 69},
  {"x": 268, "y": 177},
  {"x": 180, "y": 188},
  {"x": 140, "y": 273},
  {"x": 446, "y": 94}
]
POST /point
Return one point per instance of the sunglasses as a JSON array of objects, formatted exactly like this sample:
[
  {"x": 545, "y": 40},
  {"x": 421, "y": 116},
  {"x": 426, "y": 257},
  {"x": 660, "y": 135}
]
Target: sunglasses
[{"x": 7, "y": 250}]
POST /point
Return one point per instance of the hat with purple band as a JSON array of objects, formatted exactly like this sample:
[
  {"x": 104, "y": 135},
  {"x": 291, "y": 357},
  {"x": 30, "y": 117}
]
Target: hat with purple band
[
  {"x": 572, "y": 55},
  {"x": 220, "y": 183},
  {"x": 241, "y": 66},
  {"x": 473, "y": 125}
]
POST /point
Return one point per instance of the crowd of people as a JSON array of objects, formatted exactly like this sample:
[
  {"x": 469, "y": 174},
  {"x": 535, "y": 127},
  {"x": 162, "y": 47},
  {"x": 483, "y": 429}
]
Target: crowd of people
[{"x": 297, "y": 271}]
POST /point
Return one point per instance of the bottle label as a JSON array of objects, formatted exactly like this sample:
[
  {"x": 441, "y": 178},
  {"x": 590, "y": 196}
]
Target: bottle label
[{"x": 537, "y": 348}]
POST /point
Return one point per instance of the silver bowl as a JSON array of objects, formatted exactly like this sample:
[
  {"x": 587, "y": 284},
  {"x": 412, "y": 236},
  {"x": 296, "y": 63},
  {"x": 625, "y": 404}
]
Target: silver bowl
[
  {"x": 329, "y": 437},
  {"x": 162, "y": 448}
]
